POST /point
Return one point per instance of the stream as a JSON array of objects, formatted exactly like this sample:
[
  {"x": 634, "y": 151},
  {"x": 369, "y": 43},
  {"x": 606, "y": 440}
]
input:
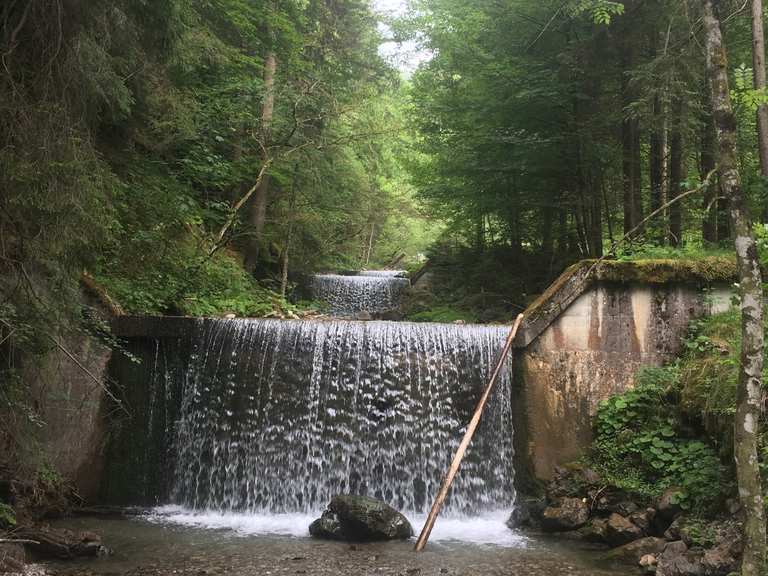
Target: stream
[{"x": 172, "y": 541}]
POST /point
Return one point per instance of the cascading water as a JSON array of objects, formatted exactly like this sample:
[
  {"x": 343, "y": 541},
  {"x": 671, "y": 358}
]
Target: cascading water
[
  {"x": 271, "y": 416},
  {"x": 372, "y": 291},
  {"x": 281, "y": 416}
]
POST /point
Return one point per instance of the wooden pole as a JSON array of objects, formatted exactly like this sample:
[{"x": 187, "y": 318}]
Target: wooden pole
[{"x": 459, "y": 456}]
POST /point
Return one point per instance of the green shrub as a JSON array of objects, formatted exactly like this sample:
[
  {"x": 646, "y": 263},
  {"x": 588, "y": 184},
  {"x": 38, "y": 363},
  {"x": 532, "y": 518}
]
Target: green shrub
[
  {"x": 641, "y": 445},
  {"x": 157, "y": 260},
  {"x": 7, "y": 516}
]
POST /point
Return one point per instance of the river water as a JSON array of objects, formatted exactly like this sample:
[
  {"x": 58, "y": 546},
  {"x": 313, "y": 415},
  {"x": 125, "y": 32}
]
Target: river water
[{"x": 172, "y": 541}]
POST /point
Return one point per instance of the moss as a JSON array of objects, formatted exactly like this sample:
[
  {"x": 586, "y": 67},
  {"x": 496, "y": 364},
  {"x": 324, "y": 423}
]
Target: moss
[
  {"x": 443, "y": 314},
  {"x": 661, "y": 271},
  {"x": 710, "y": 269}
]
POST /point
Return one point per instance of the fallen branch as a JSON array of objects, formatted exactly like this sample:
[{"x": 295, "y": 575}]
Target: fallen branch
[
  {"x": 240, "y": 203},
  {"x": 612, "y": 252},
  {"x": 77, "y": 362}
]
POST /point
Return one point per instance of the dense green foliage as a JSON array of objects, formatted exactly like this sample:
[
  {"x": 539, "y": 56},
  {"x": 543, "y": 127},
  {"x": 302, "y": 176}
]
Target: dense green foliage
[
  {"x": 132, "y": 135},
  {"x": 675, "y": 429},
  {"x": 546, "y": 131},
  {"x": 7, "y": 517},
  {"x": 641, "y": 444},
  {"x": 471, "y": 285}
]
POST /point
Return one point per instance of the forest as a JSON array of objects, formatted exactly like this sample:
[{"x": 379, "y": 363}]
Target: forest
[{"x": 208, "y": 158}]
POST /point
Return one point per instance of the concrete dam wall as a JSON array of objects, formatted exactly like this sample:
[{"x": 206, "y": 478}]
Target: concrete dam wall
[{"x": 586, "y": 337}]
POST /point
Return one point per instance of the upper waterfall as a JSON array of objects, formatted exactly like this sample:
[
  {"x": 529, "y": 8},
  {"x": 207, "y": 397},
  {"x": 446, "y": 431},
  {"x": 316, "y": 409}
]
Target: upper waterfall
[{"x": 372, "y": 291}]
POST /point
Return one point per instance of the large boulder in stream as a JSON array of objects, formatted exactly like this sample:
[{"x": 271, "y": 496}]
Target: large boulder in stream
[{"x": 360, "y": 519}]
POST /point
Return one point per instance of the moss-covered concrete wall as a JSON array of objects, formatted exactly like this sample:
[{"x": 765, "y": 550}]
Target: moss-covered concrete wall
[{"x": 585, "y": 339}]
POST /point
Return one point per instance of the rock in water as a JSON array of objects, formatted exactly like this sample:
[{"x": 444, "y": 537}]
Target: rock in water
[
  {"x": 360, "y": 519},
  {"x": 634, "y": 552},
  {"x": 572, "y": 513},
  {"x": 620, "y": 530}
]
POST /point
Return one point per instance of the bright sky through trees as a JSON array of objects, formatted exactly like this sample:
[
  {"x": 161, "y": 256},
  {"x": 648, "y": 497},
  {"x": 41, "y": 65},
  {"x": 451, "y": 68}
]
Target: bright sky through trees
[{"x": 406, "y": 56}]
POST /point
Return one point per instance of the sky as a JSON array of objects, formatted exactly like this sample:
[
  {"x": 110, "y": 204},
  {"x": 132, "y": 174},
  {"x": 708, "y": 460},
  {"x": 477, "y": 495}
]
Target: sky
[{"x": 406, "y": 56}]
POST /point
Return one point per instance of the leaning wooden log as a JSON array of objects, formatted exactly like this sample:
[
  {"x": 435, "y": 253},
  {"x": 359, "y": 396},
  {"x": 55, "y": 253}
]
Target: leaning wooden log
[{"x": 454, "y": 468}]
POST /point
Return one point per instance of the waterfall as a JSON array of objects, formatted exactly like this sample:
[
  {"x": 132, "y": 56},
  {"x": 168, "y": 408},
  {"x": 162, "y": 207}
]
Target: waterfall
[
  {"x": 269, "y": 416},
  {"x": 374, "y": 292}
]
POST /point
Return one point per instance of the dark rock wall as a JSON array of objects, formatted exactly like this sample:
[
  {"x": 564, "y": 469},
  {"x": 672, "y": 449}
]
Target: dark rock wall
[
  {"x": 140, "y": 454},
  {"x": 70, "y": 403},
  {"x": 72, "y": 410}
]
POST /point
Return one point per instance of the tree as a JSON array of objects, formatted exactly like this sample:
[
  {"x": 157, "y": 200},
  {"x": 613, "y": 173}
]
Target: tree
[
  {"x": 748, "y": 402},
  {"x": 758, "y": 69},
  {"x": 258, "y": 206}
]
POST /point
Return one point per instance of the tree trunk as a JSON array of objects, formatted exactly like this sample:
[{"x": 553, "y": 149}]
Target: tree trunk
[
  {"x": 656, "y": 159},
  {"x": 258, "y": 209},
  {"x": 758, "y": 67},
  {"x": 656, "y": 168},
  {"x": 289, "y": 234},
  {"x": 657, "y": 155},
  {"x": 627, "y": 142},
  {"x": 286, "y": 252},
  {"x": 597, "y": 222},
  {"x": 607, "y": 207},
  {"x": 546, "y": 232},
  {"x": 676, "y": 174},
  {"x": 369, "y": 248},
  {"x": 748, "y": 396},
  {"x": 708, "y": 163},
  {"x": 637, "y": 172}
]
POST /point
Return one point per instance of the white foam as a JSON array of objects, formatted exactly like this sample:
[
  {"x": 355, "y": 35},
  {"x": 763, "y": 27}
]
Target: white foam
[
  {"x": 491, "y": 528},
  {"x": 246, "y": 524},
  {"x": 487, "y": 529}
]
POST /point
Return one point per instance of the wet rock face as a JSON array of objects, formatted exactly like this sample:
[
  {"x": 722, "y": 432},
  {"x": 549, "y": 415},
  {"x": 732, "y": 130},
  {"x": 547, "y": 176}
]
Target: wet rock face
[
  {"x": 527, "y": 513},
  {"x": 620, "y": 530},
  {"x": 635, "y": 551},
  {"x": 668, "y": 505},
  {"x": 361, "y": 519},
  {"x": 677, "y": 560}
]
